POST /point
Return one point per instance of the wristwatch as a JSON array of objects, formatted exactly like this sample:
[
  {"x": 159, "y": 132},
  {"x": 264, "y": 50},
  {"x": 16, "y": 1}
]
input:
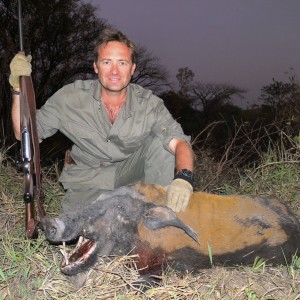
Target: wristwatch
[{"x": 185, "y": 174}]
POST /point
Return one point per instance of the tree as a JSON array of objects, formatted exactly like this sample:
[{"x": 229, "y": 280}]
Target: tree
[
  {"x": 149, "y": 73},
  {"x": 185, "y": 77},
  {"x": 282, "y": 99},
  {"x": 190, "y": 119},
  {"x": 175, "y": 103},
  {"x": 205, "y": 97},
  {"x": 210, "y": 97},
  {"x": 60, "y": 36}
]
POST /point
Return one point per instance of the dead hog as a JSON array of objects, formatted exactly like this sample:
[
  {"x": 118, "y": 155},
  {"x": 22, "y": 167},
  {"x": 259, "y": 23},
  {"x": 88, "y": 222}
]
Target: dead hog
[{"x": 134, "y": 219}]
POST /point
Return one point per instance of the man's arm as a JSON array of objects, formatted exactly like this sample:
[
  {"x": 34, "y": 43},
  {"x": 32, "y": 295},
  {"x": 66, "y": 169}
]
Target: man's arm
[
  {"x": 184, "y": 155},
  {"x": 15, "y": 114},
  {"x": 19, "y": 66}
]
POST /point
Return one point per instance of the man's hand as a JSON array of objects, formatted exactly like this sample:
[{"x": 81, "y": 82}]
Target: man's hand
[
  {"x": 19, "y": 66},
  {"x": 179, "y": 192}
]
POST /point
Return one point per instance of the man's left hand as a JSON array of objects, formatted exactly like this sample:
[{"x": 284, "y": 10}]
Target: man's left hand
[{"x": 179, "y": 192}]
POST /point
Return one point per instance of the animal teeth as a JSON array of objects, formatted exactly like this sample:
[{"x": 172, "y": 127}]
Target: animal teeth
[
  {"x": 63, "y": 251},
  {"x": 67, "y": 255}
]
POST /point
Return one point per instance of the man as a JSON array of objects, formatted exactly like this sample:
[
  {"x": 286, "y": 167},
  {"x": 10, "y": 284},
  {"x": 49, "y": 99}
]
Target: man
[{"x": 122, "y": 133}]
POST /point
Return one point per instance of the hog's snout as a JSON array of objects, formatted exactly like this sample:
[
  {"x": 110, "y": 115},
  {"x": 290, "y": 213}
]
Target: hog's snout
[{"x": 54, "y": 229}]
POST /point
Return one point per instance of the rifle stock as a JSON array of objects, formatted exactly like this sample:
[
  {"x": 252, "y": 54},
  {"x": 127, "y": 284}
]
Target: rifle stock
[{"x": 27, "y": 98}]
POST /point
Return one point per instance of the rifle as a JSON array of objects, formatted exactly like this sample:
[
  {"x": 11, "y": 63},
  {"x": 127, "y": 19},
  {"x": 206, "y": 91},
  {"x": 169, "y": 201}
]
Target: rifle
[{"x": 30, "y": 151}]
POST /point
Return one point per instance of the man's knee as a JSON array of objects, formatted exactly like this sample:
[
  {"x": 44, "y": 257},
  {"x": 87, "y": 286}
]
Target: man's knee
[
  {"x": 152, "y": 163},
  {"x": 154, "y": 149},
  {"x": 159, "y": 163}
]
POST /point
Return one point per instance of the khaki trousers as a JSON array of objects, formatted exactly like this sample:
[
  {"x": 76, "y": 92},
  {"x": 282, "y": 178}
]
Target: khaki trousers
[{"x": 152, "y": 163}]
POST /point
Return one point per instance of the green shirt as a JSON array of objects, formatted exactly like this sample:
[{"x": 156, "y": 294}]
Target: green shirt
[{"x": 76, "y": 111}]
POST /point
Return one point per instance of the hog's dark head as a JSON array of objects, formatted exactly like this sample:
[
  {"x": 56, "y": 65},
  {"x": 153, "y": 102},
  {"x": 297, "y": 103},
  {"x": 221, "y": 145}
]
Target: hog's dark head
[{"x": 108, "y": 226}]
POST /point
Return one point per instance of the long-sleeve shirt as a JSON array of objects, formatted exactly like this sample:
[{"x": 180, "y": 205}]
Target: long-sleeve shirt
[{"x": 78, "y": 112}]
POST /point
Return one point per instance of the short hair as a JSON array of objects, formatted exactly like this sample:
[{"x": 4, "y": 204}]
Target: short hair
[{"x": 114, "y": 35}]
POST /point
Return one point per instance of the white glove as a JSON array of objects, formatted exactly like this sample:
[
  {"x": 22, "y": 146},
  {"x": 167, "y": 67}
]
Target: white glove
[
  {"x": 178, "y": 193},
  {"x": 19, "y": 66}
]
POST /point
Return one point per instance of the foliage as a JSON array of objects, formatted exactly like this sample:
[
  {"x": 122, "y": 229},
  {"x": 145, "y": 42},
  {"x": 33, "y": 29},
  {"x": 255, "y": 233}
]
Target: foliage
[
  {"x": 210, "y": 254},
  {"x": 60, "y": 36},
  {"x": 276, "y": 174},
  {"x": 206, "y": 97},
  {"x": 149, "y": 73},
  {"x": 197, "y": 105},
  {"x": 210, "y": 97},
  {"x": 282, "y": 105},
  {"x": 283, "y": 99},
  {"x": 253, "y": 161},
  {"x": 258, "y": 264},
  {"x": 230, "y": 133},
  {"x": 185, "y": 77}
]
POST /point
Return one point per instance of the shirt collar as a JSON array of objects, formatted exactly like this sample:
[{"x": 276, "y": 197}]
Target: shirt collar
[{"x": 134, "y": 97}]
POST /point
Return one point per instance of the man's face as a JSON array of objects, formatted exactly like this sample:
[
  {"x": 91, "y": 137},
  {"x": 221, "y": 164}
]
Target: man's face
[{"x": 114, "y": 66}]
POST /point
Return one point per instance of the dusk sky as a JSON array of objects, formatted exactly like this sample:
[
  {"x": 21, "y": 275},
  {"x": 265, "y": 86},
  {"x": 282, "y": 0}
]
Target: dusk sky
[{"x": 242, "y": 42}]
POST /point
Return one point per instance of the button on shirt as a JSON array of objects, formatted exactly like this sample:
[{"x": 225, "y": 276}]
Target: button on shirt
[{"x": 77, "y": 111}]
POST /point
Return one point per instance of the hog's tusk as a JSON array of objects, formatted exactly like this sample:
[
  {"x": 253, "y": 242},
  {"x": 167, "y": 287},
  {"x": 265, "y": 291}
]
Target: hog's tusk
[{"x": 64, "y": 253}]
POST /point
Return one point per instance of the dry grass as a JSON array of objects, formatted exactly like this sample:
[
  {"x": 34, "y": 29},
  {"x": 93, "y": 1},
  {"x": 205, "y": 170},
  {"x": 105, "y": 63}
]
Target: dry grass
[{"x": 30, "y": 269}]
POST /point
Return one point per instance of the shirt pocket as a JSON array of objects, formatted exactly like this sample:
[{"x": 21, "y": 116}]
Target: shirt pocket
[
  {"x": 81, "y": 131},
  {"x": 133, "y": 143},
  {"x": 87, "y": 142}
]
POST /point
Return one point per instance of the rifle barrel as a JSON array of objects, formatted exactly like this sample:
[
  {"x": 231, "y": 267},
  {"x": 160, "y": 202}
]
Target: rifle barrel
[{"x": 20, "y": 26}]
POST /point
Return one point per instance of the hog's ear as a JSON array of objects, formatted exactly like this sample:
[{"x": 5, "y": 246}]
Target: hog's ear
[{"x": 161, "y": 216}]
